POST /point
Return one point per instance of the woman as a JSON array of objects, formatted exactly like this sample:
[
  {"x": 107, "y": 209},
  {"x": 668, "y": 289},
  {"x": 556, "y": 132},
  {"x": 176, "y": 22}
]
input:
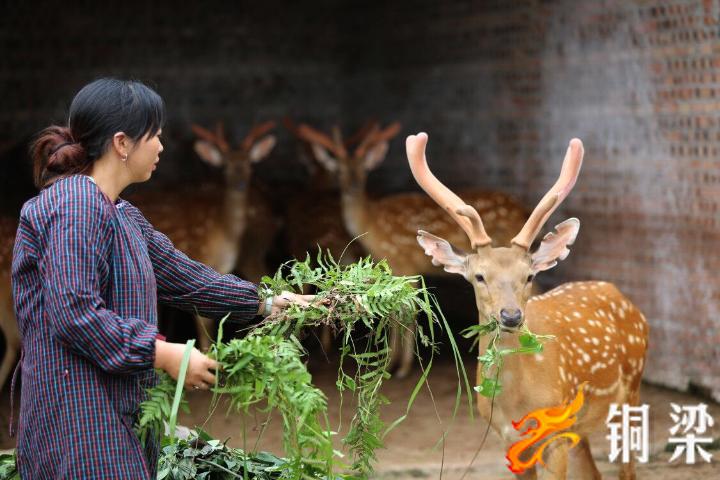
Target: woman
[{"x": 88, "y": 271}]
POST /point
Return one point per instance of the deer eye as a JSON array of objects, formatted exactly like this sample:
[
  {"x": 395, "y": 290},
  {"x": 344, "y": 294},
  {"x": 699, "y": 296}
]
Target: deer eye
[
  {"x": 480, "y": 278},
  {"x": 530, "y": 278}
]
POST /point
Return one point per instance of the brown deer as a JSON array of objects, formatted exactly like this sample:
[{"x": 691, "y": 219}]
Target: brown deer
[
  {"x": 388, "y": 225},
  {"x": 600, "y": 336},
  {"x": 8, "y": 322},
  {"x": 314, "y": 216},
  {"x": 214, "y": 225}
]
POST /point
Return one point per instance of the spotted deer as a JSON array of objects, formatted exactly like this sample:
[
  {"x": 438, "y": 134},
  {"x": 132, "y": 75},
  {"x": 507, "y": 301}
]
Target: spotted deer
[
  {"x": 8, "y": 322},
  {"x": 600, "y": 336},
  {"x": 224, "y": 228},
  {"x": 313, "y": 216},
  {"x": 388, "y": 225}
]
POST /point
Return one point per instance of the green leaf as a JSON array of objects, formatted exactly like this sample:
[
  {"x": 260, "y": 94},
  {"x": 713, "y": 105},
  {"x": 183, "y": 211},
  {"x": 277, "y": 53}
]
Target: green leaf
[{"x": 489, "y": 388}]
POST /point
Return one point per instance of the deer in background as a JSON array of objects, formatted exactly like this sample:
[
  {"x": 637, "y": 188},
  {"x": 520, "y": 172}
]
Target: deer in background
[
  {"x": 600, "y": 336},
  {"x": 389, "y": 224},
  {"x": 8, "y": 322},
  {"x": 314, "y": 216},
  {"x": 223, "y": 228}
]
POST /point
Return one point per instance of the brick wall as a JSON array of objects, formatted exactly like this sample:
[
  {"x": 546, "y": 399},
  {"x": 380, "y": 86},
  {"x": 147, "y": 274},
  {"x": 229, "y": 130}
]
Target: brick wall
[
  {"x": 500, "y": 85},
  {"x": 240, "y": 62}
]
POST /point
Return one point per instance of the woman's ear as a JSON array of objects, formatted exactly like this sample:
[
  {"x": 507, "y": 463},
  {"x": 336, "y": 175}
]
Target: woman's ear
[{"x": 122, "y": 144}]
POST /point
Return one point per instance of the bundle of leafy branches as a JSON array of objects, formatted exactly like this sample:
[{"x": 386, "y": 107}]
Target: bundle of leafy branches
[
  {"x": 8, "y": 469},
  {"x": 265, "y": 369},
  {"x": 202, "y": 457}
]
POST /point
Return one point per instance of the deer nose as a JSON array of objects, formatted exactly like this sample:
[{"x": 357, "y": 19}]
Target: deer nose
[{"x": 511, "y": 317}]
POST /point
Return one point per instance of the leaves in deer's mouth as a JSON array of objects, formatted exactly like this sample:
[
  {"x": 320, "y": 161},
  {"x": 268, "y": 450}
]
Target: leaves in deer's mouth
[{"x": 492, "y": 357}]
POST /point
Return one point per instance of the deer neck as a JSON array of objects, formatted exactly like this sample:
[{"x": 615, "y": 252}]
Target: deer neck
[
  {"x": 354, "y": 211},
  {"x": 235, "y": 202}
]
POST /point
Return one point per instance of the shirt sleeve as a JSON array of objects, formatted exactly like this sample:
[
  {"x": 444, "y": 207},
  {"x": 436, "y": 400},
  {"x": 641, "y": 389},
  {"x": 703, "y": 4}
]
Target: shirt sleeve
[
  {"x": 79, "y": 234},
  {"x": 191, "y": 285}
]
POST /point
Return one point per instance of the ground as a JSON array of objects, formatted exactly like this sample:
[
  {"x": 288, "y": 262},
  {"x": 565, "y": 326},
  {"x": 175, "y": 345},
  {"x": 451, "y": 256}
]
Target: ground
[{"x": 409, "y": 452}]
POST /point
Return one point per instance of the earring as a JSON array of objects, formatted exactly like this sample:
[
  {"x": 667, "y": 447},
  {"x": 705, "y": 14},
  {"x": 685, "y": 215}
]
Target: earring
[{"x": 124, "y": 159}]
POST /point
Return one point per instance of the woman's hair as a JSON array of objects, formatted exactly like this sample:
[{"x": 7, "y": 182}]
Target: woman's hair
[{"x": 99, "y": 111}]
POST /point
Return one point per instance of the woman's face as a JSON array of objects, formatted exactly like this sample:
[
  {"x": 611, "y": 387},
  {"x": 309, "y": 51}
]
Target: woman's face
[{"x": 144, "y": 157}]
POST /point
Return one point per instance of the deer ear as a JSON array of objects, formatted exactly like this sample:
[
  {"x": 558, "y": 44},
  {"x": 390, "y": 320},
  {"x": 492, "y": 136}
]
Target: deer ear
[
  {"x": 324, "y": 158},
  {"x": 209, "y": 153},
  {"x": 262, "y": 148},
  {"x": 452, "y": 259},
  {"x": 554, "y": 245},
  {"x": 375, "y": 155}
]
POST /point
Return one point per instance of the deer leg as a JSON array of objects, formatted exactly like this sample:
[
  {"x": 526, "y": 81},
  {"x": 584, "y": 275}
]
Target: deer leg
[
  {"x": 12, "y": 343},
  {"x": 407, "y": 351},
  {"x": 627, "y": 470},
  {"x": 557, "y": 461},
  {"x": 326, "y": 338},
  {"x": 529, "y": 474},
  {"x": 11, "y": 351},
  {"x": 204, "y": 328},
  {"x": 586, "y": 468},
  {"x": 394, "y": 344}
]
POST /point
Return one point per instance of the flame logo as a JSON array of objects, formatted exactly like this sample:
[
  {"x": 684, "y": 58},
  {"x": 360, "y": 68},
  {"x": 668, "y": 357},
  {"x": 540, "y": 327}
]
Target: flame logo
[{"x": 549, "y": 421}]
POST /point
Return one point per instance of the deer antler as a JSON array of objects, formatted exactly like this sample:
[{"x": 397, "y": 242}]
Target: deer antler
[
  {"x": 311, "y": 135},
  {"x": 465, "y": 215},
  {"x": 361, "y": 133},
  {"x": 376, "y": 135},
  {"x": 554, "y": 197},
  {"x": 256, "y": 132},
  {"x": 217, "y": 138}
]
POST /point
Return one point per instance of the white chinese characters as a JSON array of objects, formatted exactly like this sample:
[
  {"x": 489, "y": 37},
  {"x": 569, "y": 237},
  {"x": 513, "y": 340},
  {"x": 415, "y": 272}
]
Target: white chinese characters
[
  {"x": 630, "y": 433},
  {"x": 690, "y": 421}
]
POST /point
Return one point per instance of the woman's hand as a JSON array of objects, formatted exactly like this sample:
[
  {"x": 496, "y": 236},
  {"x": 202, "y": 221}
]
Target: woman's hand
[
  {"x": 285, "y": 299},
  {"x": 201, "y": 369}
]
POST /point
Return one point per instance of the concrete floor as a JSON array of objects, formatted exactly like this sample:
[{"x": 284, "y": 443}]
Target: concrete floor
[{"x": 409, "y": 451}]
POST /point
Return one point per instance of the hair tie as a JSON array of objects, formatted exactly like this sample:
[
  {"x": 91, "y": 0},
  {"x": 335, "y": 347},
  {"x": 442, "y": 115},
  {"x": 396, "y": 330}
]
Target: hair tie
[{"x": 55, "y": 150}]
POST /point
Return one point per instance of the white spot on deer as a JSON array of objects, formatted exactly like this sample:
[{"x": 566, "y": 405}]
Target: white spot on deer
[
  {"x": 582, "y": 330},
  {"x": 621, "y": 313},
  {"x": 579, "y": 362},
  {"x": 595, "y": 341},
  {"x": 586, "y": 357},
  {"x": 577, "y": 315},
  {"x": 539, "y": 358},
  {"x": 597, "y": 367},
  {"x": 562, "y": 373}
]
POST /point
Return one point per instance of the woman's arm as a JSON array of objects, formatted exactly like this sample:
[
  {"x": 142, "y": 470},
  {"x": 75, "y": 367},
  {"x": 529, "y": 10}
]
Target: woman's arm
[
  {"x": 189, "y": 285},
  {"x": 78, "y": 235}
]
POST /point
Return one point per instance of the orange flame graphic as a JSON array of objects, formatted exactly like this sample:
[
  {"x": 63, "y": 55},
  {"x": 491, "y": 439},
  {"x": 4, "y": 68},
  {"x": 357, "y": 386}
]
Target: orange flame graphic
[{"x": 549, "y": 421}]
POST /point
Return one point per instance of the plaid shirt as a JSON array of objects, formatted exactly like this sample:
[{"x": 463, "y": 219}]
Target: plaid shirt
[{"x": 87, "y": 275}]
